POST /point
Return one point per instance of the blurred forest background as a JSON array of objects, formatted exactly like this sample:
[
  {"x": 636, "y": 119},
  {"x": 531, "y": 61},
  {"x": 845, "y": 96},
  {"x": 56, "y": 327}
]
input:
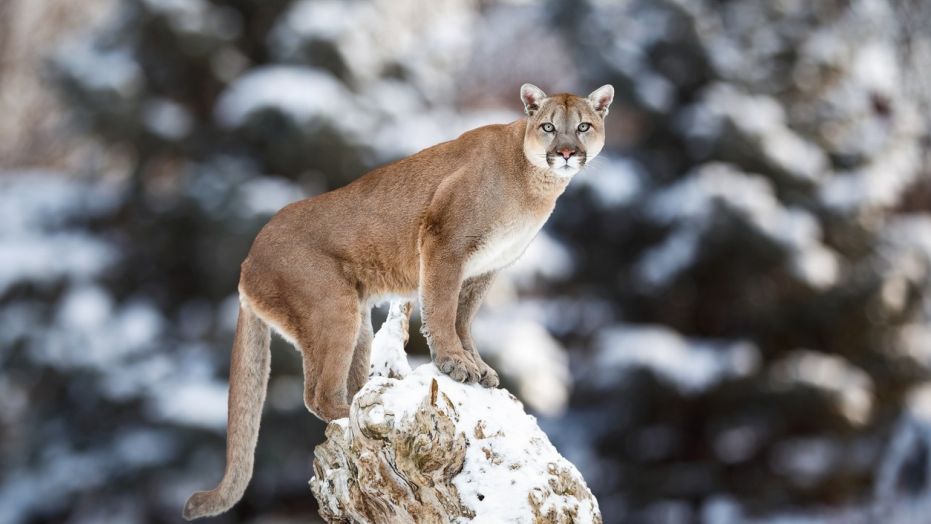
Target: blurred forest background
[{"x": 727, "y": 319}]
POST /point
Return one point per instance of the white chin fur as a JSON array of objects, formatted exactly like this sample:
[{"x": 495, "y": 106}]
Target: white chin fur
[
  {"x": 564, "y": 171},
  {"x": 566, "y": 168}
]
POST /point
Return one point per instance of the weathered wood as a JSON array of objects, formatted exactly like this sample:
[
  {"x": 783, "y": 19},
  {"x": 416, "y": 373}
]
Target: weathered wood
[{"x": 423, "y": 448}]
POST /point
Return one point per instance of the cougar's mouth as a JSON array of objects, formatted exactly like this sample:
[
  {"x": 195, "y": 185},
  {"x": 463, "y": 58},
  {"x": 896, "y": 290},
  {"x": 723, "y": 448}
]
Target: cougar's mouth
[{"x": 559, "y": 162}]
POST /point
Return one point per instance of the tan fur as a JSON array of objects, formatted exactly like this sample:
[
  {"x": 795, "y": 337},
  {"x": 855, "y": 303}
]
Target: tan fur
[
  {"x": 419, "y": 225},
  {"x": 250, "y": 365}
]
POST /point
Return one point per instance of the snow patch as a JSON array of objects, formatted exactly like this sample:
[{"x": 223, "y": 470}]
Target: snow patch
[
  {"x": 522, "y": 350},
  {"x": 851, "y": 387},
  {"x": 305, "y": 94},
  {"x": 505, "y": 463},
  {"x": 690, "y": 365},
  {"x": 691, "y": 205}
]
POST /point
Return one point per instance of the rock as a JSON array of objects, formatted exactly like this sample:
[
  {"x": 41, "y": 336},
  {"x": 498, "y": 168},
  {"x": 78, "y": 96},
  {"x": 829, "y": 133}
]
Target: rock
[{"x": 424, "y": 448}]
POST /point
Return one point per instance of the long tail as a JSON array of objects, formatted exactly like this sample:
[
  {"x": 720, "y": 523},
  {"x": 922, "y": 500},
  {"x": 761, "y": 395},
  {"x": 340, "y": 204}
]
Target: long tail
[{"x": 249, "y": 370}]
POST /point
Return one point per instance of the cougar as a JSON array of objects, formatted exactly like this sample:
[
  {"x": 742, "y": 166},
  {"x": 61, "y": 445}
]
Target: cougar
[{"x": 439, "y": 224}]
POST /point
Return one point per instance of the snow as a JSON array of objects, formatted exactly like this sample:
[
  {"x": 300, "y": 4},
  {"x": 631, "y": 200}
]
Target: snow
[
  {"x": 524, "y": 352},
  {"x": 545, "y": 258},
  {"x": 721, "y": 510},
  {"x": 265, "y": 196},
  {"x": 94, "y": 333},
  {"x": 405, "y": 135},
  {"x": 503, "y": 467},
  {"x": 691, "y": 204},
  {"x": 911, "y": 233},
  {"x": 654, "y": 91},
  {"x": 35, "y": 244},
  {"x": 43, "y": 241},
  {"x": 515, "y": 338},
  {"x": 762, "y": 120},
  {"x": 195, "y": 404},
  {"x": 71, "y": 256},
  {"x": 138, "y": 323},
  {"x": 85, "y": 308},
  {"x": 516, "y": 344},
  {"x": 395, "y": 118},
  {"x": 63, "y": 472},
  {"x": 145, "y": 447},
  {"x": 166, "y": 119},
  {"x": 910, "y": 436},
  {"x": 178, "y": 389},
  {"x": 738, "y": 442},
  {"x": 690, "y": 365},
  {"x": 303, "y": 93},
  {"x": 851, "y": 387},
  {"x": 613, "y": 181},
  {"x": 805, "y": 461},
  {"x": 197, "y": 17},
  {"x": 878, "y": 184},
  {"x": 508, "y": 458},
  {"x": 429, "y": 41},
  {"x": 914, "y": 340},
  {"x": 328, "y": 19},
  {"x": 799, "y": 100},
  {"x": 668, "y": 511},
  {"x": 660, "y": 264},
  {"x": 875, "y": 67},
  {"x": 34, "y": 200},
  {"x": 397, "y": 102},
  {"x": 388, "y": 358},
  {"x": 101, "y": 70}
]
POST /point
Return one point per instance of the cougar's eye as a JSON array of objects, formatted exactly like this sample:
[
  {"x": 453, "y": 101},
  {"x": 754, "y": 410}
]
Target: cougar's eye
[
  {"x": 584, "y": 126},
  {"x": 548, "y": 127}
]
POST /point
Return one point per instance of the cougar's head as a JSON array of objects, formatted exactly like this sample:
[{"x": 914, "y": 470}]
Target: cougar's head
[{"x": 564, "y": 131}]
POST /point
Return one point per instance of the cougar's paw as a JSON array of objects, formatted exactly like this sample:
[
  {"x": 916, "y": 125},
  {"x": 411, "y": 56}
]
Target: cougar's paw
[
  {"x": 459, "y": 367},
  {"x": 325, "y": 405},
  {"x": 489, "y": 376},
  {"x": 331, "y": 412},
  {"x": 341, "y": 411}
]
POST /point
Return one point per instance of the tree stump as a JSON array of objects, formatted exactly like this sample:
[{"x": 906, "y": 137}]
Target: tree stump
[{"x": 423, "y": 448}]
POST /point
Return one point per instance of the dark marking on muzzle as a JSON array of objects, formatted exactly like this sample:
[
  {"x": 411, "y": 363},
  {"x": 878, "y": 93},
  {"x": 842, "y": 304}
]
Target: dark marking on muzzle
[{"x": 565, "y": 153}]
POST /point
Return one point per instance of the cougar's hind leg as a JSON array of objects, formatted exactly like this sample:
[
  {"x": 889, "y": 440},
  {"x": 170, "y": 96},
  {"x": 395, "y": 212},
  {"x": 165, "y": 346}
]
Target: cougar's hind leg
[
  {"x": 361, "y": 355},
  {"x": 327, "y": 339}
]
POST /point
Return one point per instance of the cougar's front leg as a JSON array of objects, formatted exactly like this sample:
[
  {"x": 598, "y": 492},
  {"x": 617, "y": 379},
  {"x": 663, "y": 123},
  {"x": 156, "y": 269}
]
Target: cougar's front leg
[
  {"x": 440, "y": 282},
  {"x": 470, "y": 299}
]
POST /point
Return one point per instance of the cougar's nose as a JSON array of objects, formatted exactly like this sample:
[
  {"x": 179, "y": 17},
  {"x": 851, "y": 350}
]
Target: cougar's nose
[{"x": 567, "y": 152}]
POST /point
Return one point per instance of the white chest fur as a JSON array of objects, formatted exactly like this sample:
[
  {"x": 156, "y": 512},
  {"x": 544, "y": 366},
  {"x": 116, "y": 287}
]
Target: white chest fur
[{"x": 502, "y": 248}]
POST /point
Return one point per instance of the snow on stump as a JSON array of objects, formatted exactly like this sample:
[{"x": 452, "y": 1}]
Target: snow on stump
[{"x": 423, "y": 448}]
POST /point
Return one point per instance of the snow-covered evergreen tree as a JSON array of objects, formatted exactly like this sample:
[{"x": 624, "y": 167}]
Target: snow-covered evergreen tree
[
  {"x": 741, "y": 280},
  {"x": 754, "y": 244}
]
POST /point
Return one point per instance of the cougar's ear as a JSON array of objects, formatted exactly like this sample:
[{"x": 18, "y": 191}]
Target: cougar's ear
[
  {"x": 532, "y": 96},
  {"x": 601, "y": 98}
]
